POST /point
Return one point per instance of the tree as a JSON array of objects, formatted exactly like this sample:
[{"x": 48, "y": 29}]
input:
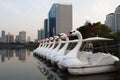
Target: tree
[{"x": 95, "y": 29}]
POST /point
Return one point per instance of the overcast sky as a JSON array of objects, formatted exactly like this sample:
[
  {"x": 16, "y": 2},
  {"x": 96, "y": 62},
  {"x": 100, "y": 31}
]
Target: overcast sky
[{"x": 29, "y": 15}]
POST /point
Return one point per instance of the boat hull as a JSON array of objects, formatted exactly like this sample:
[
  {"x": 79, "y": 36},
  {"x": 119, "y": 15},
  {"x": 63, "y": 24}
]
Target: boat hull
[{"x": 91, "y": 70}]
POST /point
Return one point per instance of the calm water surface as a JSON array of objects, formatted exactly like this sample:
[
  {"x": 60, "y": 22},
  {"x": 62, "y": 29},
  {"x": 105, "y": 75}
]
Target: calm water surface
[{"x": 20, "y": 64}]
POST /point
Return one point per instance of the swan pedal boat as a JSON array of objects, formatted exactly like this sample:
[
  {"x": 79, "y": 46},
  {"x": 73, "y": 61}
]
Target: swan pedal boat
[
  {"x": 79, "y": 62},
  {"x": 94, "y": 63},
  {"x": 88, "y": 62}
]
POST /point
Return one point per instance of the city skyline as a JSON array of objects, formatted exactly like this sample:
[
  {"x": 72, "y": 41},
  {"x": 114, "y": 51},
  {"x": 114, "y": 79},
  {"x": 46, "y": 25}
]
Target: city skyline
[
  {"x": 29, "y": 15},
  {"x": 9, "y": 37}
]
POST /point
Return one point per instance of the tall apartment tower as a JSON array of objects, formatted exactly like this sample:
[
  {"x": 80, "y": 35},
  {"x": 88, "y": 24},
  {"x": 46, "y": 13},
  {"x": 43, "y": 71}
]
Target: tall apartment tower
[
  {"x": 22, "y": 36},
  {"x": 117, "y": 18},
  {"x": 113, "y": 20},
  {"x": 60, "y": 19},
  {"x": 110, "y": 21},
  {"x": 46, "y": 28}
]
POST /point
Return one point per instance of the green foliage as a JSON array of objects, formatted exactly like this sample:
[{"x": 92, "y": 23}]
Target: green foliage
[
  {"x": 95, "y": 29},
  {"x": 101, "y": 30}
]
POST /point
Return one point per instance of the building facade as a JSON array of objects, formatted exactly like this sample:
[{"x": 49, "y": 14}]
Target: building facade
[
  {"x": 52, "y": 20},
  {"x": 41, "y": 34},
  {"x": 46, "y": 28},
  {"x": 117, "y": 18},
  {"x": 9, "y": 38},
  {"x": 17, "y": 38},
  {"x": 113, "y": 20},
  {"x": 63, "y": 18},
  {"x": 2, "y": 39},
  {"x": 3, "y": 33},
  {"x": 22, "y": 36},
  {"x": 110, "y": 21},
  {"x": 28, "y": 39},
  {"x": 60, "y": 19}
]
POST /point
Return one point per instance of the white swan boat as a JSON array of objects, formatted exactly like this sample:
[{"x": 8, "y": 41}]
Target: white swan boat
[
  {"x": 51, "y": 48},
  {"x": 48, "y": 47},
  {"x": 41, "y": 48},
  {"x": 60, "y": 54},
  {"x": 87, "y": 62},
  {"x": 55, "y": 50},
  {"x": 75, "y": 61}
]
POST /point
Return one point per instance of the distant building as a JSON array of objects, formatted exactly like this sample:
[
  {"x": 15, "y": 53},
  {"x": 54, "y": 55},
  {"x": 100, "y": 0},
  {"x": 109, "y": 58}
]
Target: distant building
[
  {"x": 22, "y": 36},
  {"x": 60, "y": 19},
  {"x": 0, "y": 39},
  {"x": 3, "y": 33},
  {"x": 6, "y": 38},
  {"x": 46, "y": 28},
  {"x": 117, "y": 18},
  {"x": 9, "y": 38},
  {"x": 113, "y": 20},
  {"x": 41, "y": 34},
  {"x": 110, "y": 21},
  {"x": 17, "y": 39},
  {"x": 3, "y": 39},
  {"x": 28, "y": 39},
  {"x": 52, "y": 20}
]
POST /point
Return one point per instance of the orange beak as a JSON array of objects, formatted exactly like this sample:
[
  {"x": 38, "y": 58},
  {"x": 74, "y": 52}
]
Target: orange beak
[{"x": 69, "y": 35}]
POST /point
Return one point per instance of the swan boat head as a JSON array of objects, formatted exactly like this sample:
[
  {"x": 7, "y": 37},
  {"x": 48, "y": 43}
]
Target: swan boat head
[
  {"x": 52, "y": 47},
  {"x": 60, "y": 54},
  {"x": 70, "y": 59},
  {"x": 75, "y": 50}
]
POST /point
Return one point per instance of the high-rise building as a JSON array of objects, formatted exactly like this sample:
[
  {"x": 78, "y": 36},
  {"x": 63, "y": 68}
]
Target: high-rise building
[
  {"x": 60, "y": 19},
  {"x": 113, "y": 20},
  {"x": 6, "y": 38},
  {"x": 22, "y": 36},
  {"x": 52, "y": 20},
  {"x": 117, "y": 18},
  {"x": 41, "y": 34},
  {"x": 9, "y": 38},
  {"x": 63, "y": 18},
  {"x": 2, "y": 38},
  {"x": 46, "y": 28},
  {"x": 3, "y": 33},
  {"x": 110, "y": 21},
  {"x": 17, "y": 38}
]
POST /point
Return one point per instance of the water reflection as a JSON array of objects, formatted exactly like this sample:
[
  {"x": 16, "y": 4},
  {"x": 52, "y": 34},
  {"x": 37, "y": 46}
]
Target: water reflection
[
  {"x": 8, "y": 54},
  {"x": 53, "y": 73},
  {"x": 18, "y": 64}
]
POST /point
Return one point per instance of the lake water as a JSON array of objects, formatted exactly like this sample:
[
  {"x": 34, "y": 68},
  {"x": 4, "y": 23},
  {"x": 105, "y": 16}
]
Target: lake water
[{"x": 20, "y": 64}]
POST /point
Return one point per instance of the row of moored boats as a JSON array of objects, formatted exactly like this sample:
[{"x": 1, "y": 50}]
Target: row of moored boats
[{"x": 77, "y": 62}]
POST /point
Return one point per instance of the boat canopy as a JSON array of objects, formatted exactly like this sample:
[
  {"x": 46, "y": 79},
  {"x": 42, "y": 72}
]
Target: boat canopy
[{"x": 97, "y": 39}]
